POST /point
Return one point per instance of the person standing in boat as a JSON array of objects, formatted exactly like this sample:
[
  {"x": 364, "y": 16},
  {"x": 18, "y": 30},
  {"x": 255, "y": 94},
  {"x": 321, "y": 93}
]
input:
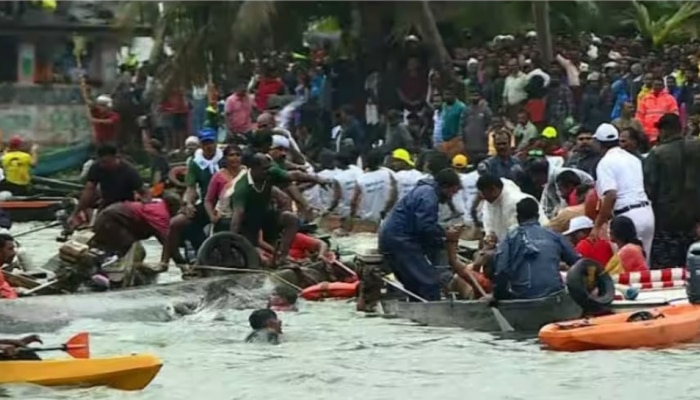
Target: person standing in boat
[
  {"x": 671, "y": 176},
  {"x": 193, "y": 217},
  {"x": 620, "y": 184},
  {"x": 405, "y": 173},
  {"x": 117, "y": 180},
  {"x": 527, "y": 260},
  {"x": 17, "y": 165},
  {"x": 411, "y": 234}
]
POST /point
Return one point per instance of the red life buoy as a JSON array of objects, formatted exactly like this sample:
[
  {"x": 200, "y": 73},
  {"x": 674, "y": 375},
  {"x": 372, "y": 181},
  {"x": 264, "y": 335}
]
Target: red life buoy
[{"x": 325, "y": 290}]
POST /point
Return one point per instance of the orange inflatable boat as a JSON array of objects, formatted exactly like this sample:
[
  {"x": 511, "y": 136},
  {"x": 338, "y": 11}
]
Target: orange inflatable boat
[
  {"x": 658, "y": 327},
  {"x": 325, "y": 290}
]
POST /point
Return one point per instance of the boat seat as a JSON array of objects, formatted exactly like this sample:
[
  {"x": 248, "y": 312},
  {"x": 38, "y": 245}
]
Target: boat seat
[{"x": 644, "y": 316}]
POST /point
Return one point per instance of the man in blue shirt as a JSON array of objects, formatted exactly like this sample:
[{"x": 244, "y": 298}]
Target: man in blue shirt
[
  {"x": 411, "y": 235},
  {"x": 527, "y": 259}
]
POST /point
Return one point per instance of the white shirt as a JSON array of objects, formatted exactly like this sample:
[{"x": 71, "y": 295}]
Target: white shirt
[
  {"x": 406, "y": 180},
  {"x": 621, "y": 171},
  {"x": 514, "y": 89},
  {"x": 375, "y": 189},
  {"x": 325, "y": 196},
  {"x": 501, "y": 215},
  {"x": 347, "y": 180},
  {"x": 464, "y": 199}
]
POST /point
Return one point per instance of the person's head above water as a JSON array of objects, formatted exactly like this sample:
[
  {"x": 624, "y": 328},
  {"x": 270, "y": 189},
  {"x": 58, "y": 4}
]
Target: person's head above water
[
  {"x": 265, "y": 318},
  {"x": 283, "y": 298}
]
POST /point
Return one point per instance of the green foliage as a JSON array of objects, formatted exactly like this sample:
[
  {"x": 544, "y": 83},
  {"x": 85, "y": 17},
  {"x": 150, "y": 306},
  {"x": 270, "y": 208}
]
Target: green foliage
[{"x": 664, "y": 22}]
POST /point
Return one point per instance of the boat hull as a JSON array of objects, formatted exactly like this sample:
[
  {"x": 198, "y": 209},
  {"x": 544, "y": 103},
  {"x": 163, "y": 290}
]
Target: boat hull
[
  {"x": 133, "y": 372},
  {"x": 524, "y": 315},
  {"x": 41, "y": 209}
]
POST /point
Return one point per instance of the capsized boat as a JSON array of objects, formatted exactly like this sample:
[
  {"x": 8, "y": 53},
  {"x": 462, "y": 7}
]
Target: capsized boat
[
  {"x": 132, "y": 372},
  {"x": 657, "y": 327}
]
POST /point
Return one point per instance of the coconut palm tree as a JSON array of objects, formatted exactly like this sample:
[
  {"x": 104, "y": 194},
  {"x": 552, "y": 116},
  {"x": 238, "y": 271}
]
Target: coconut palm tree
[{"x": 663, "y": 22}]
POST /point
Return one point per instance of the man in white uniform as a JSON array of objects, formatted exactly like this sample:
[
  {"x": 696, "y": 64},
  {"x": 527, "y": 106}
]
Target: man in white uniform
[{"x": 620, "y": 185}]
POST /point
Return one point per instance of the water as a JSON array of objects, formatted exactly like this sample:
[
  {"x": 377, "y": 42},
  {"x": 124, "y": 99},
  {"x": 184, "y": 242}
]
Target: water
[{"x": 330, "y": 351}]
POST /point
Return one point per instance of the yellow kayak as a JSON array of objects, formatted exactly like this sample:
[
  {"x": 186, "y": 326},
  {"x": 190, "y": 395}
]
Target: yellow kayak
[{"x": 133, "y": 372}]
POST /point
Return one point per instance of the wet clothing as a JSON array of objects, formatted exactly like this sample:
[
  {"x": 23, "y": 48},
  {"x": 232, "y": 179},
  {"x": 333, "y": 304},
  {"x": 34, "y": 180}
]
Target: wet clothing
[
  {"x": 120, "y": 225},
  {"x": 410, "y": 236},
  {"x": 527, "y": 262},
  {"x": 257, "y": 204},
  {"x": 263, "y": 336},
  {"x": 302, "y": 245},
  {"x": 117, "y": 184}
]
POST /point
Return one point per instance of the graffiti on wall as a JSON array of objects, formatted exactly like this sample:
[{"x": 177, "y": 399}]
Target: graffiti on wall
[{"x": 47, "y": 124}]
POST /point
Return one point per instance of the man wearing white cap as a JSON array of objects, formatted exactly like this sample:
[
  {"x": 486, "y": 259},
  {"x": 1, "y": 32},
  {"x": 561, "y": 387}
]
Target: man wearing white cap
[
  {"x": 579, "y": 231},
  {"x": 620, "y": 185}
]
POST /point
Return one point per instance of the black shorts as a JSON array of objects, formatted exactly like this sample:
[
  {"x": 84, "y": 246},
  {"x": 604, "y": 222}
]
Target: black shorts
[{"x": 267, "y": 222}]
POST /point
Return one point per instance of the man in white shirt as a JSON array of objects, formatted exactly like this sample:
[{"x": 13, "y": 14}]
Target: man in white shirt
[
  {"x": 620, "y": 185},
  {"x": 514, "y": 94}
]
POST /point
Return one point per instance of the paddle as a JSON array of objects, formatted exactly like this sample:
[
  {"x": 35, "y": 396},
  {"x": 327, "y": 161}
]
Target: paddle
[
  {"x": 77, "y": 347},
  {"x": 37, "y": 229},
  {"x": 500, "y": 319},
  {"x": 403, "y": 289}
]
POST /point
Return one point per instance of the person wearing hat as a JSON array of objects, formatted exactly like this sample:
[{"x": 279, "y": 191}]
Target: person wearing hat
[
  {"x": 464, "y": 199},
  {"x": 105, "y": 120},
  {"x": 652, "y": 106},
  {"x": 620, "y": 185},
  {"x": 405, "y": 172},
  {"x": 671, "y": 171},
  {"x": 17, "y": 165},
  {"x": 200, "y": 169},
  {"x": 579, "y": 232}
]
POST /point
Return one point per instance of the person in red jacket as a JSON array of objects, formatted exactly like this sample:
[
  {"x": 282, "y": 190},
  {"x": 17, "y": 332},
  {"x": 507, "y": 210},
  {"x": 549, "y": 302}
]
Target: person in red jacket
[{"x": 578, "y": 233}]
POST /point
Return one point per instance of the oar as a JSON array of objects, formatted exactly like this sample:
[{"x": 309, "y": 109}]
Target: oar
[
  {"x": 77, "y": 347},
  {"x": 403, "y": 289},
  {"x": 246, "y": 270},
  {"x": 37, "y": 229},
  {"x": 500, "y": 319},
  {"x": 343, "y": 267}
]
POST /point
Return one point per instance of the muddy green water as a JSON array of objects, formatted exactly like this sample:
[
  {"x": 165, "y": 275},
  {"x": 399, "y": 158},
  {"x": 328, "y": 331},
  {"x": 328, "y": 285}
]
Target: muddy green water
[{"x": 332, "y": 352}]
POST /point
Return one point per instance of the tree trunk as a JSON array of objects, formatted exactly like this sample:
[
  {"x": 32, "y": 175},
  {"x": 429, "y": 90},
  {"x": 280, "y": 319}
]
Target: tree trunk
[
  {"x": 540, "y": 13},
  {"x": 434, "y": 40}
]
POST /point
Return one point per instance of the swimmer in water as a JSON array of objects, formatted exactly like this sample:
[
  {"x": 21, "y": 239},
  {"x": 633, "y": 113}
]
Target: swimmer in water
[
  {"x": 266, "y": 327},
  {"x": 283, "y": 298}
]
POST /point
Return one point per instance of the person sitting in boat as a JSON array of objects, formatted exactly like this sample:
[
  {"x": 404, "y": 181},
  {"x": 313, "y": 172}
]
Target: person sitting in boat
[
  {"x": 193, "y": 217},
  {"x": 253, "y": 208},
  {"x": 631, "y": 256},
  {"x": 527, "y": 260},
  {"x": 11, "y": 349},
  {"x": 8, "y": 251},
  {"x": 554, "y": 197},
  {"x": 121, "y": 225},
  {"x": 499, "y": 210},
  {"x": 466, "y": 286},
  {"x": 17, "y": 165},
  {"x": 117, "y": 179},
  {"x": 283, "y": 298},
  {"x": 405, "y": 172},
  {"x": 411, "y": 234},
  {"x": 217, "y": 201},
  {"x": 580, "y": 228},
  {"x": 266, "y": 327}
]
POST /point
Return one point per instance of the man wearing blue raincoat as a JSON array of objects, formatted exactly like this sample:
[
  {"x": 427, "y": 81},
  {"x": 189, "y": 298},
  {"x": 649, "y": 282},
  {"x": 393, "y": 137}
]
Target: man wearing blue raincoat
[
  {"x": 411, "y": 235},
  {"x": 526, "y": 264}
]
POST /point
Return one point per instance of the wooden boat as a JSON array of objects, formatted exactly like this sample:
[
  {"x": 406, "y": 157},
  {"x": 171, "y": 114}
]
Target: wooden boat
[
  {"x": 61, "y": 159},
  {"x": 526, "y": 316},
  {"x": 25, "y": 209}
]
